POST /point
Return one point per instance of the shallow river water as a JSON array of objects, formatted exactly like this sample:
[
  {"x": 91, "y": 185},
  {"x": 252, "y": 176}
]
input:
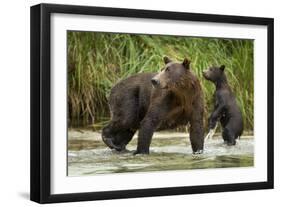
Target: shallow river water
[{"x": 88, "y": 155}]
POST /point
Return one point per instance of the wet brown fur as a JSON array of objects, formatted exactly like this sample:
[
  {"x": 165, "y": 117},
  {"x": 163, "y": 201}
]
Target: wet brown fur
[{"x": 136, "y": 104}]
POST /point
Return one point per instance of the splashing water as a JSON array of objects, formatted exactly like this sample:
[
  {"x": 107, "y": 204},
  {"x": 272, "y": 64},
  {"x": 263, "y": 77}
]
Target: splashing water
[{"x": 88, "y": 155}]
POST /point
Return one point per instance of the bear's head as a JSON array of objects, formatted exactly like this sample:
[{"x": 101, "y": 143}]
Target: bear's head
[
  {"x": 171, "y": 74},
  {"x": 214, "y": 74}
]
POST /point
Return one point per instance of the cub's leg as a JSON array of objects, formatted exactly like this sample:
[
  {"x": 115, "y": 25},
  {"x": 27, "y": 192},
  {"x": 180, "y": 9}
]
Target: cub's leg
[{"x": 228, "y": 136}]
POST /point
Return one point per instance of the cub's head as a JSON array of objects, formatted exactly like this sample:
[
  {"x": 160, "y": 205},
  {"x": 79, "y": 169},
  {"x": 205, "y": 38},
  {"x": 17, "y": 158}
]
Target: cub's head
[
  {"x": 171, "y": 73},
  {"x": 214, "y": 74}
]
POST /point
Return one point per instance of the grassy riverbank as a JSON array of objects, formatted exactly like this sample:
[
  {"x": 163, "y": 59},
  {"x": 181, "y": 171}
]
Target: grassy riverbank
[{"x": 96, "y": 61}]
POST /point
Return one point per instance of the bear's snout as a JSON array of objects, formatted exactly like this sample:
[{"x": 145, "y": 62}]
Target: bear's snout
[{"x": 155, "y": 81}]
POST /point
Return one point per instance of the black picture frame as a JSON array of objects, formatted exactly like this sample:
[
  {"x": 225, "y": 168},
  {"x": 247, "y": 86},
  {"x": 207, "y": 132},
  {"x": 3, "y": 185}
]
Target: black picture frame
[{"x": 41, "y": 96}]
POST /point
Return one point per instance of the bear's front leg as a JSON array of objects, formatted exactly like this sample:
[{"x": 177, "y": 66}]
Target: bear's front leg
[
  {"x": 147, "y": 128},
  {"x": 197, "y": 135},
  {"x": 214, "y": 117}
]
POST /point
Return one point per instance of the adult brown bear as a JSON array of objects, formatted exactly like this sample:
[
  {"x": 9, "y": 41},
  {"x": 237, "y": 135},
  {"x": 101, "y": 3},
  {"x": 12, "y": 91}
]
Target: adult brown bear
[{"x": 154, "y": 101}]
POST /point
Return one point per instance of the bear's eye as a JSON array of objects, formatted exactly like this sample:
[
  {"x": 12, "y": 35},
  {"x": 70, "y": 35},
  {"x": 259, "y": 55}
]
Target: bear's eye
[{"x": 167, "y": 69}]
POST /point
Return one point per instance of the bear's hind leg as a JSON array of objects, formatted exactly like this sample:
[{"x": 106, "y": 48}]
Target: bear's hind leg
[
  {"x": 108, "y": 135},
  {"x": 116, "y": 136},
  {"x": 124, "y": 137},
  {"x": 228, "y": 136},
  {"x": 124, "y": 122}
]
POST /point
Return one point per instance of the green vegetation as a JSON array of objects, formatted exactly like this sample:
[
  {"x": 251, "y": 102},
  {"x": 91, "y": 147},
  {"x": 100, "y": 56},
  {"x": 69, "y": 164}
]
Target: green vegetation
[{"x": 96, "y": 61}]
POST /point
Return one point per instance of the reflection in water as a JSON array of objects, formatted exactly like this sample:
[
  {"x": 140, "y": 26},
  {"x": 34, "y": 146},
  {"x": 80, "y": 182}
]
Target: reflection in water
[{"x": 87, "y": 154}]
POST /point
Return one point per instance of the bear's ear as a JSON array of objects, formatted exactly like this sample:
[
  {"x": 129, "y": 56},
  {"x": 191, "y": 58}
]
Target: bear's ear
[
  {"x": 222, "y": 67},
  {"x": 186, "y": 62},
  {"x": 167, "y": 60}
]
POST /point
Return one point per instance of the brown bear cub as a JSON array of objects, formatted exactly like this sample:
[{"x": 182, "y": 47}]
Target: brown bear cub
[
  {"x": 155, "y": 101},
  {"x": 226, "y": 109}
]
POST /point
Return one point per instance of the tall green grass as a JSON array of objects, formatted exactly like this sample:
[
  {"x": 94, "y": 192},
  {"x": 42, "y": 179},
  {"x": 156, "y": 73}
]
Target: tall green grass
[{"x": 96, "y": 61}]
